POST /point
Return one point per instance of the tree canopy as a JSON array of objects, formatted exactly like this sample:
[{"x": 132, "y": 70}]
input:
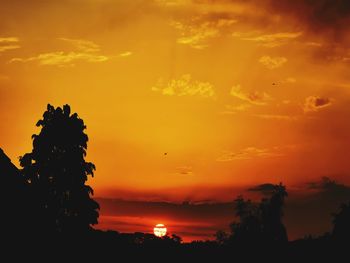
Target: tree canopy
[{"x": 56, "y": 172}]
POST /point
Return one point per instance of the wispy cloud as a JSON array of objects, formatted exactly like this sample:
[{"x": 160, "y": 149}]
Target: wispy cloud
[
  {"x": 268, "y": 40},
  {"x": 125, "y": 54},
  {"x": 234, "y": 109},
  {"x": 254, "y": 97},
  {"x": 61, "y": 58},
  {"x": 249, "y": 153},
  {"x": 8, "y": 43},
  {"x": 85, "y": 51},
  {"x": 83, "y": 45},
  {"x": 196, "y": 33},
  {"x": 276, "y": 117},
  {"x": 185, "y": 86},
  {"x": 171, "y": 2},
  {"x": 315, "y": 103},
  {"x": 272, "y": 62}
]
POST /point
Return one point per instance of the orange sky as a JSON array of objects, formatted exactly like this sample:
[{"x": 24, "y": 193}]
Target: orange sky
[{"x": 236, "y": 93}]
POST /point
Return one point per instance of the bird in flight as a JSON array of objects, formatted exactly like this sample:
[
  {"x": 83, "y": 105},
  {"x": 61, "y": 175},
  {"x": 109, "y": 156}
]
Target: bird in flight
[{"x": 165, "y": 153}]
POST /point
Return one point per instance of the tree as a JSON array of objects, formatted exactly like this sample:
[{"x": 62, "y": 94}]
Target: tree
[
  {"x": 56, "y": 172},
  {"x": 272, "y": 213},
  {"x": 260, "y": 222},
  {"x": 341, "y": 224},
  {"x": 248, "y": 229}
]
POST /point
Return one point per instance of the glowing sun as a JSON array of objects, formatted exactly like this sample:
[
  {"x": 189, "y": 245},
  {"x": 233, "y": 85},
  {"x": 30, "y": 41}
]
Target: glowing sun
[{"x": 159, "y": 230}]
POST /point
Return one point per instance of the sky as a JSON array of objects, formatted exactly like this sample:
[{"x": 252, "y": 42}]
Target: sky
[{"x": 186, "y": 100}]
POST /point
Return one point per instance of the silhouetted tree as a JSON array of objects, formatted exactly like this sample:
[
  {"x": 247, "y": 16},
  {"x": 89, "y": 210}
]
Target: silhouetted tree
[
  {"x": 56, "y": 172},
  {"x": 248, "y": 228},
  {"x": 260, "y": 222},
  {"x": 341, "y": 223},
  {"x": 272, "y": 213}
]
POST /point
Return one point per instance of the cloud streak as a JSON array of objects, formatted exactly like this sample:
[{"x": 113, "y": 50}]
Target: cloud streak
[
  {"x": 61, "y": 58},
  {"x": 268, "y": 40},
  {"x": 276, "y": 117},
  {"x": 234, "y": 109},
  {"x": 125, "y": 54},
  {"x": 9, "y": 43},
  {"x": 249, "y": 153},
  {"x": 86, "y": 51},
  {"x": 83, "y": 45}
]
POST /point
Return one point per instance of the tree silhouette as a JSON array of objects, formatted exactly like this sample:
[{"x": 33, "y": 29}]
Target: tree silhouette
[
  {"x": 248, "y": 228},
  {"x": 341, "y": 223},
  {"x": 260, "y": 222},
  {"x": 56, "y": 172},
  {"x": 272, "y": 213}
]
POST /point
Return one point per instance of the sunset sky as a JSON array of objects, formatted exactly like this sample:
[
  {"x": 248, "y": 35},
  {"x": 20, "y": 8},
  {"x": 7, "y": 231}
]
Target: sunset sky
[{"x": 184, "y": 100}]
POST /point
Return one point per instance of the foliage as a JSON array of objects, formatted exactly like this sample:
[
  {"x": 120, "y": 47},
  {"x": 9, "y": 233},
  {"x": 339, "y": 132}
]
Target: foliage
[
  {"x": 56, "y": 172},
  {"x": 260, "y": 222},
  {"x": 341, "y": 223}
]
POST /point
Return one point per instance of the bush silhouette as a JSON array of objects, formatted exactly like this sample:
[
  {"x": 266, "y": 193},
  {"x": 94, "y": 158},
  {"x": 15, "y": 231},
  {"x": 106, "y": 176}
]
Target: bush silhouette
[{"x": 56, "y": 172}]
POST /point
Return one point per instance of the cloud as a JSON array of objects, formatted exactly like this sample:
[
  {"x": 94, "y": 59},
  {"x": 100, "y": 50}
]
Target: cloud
[
  {"x": 60, "y": 58},
  {"x": 276, "y": 117},
  {"x": 171, "y": 2},
  {"x": 316, "y": 16},
  {"x": 323, "y": 22},
  {"x": 315, "y": 103},
  {"x": 272, "y": 62},
  {"x": 185, "y": 86},
  {"x": 327, "y": 184},
  {"x": 233, "y": 109},
  {"x": 85, "y": 51},
  {"x": 199, "y": 30},
  {"x": 125, "y": 54},
  {"x": 184, "y": 170},
  {"x": 83, "y": 45},
  {"x": 265, "y": 189},
  {"x": 268, "y": 40},
  {"x": 249, "y": 153},
  {"x": 254, "y": 97},
  {"x": 8, "y": 43}
]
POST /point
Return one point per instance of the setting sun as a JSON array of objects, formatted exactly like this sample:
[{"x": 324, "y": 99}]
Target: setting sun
[{"x": 160, "y": 230}]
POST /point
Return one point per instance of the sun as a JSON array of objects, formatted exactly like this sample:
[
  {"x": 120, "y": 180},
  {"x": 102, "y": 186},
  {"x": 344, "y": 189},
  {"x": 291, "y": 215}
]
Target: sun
[{"x": 160, "y": 230}]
